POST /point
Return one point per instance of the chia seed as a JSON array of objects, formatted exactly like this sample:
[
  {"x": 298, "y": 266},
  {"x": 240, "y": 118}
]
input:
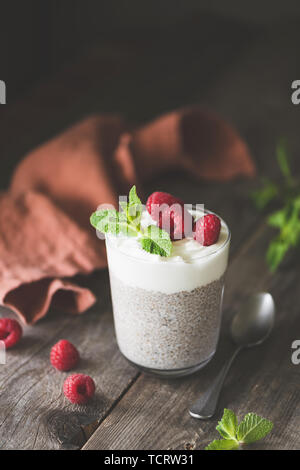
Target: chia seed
[{"x": 167, "y": 331}]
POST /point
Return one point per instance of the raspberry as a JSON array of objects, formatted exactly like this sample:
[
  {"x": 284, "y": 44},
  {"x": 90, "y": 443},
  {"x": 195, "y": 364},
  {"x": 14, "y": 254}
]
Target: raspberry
[
  {"x": 158, "y": 198},
  {"x": 207, "y": 229},
  {"x": 79, "y": 388},
  {"x": 10, "y": 332},
  {"x": 63, "y": 355},
  {"x": 170, "y": 214}
]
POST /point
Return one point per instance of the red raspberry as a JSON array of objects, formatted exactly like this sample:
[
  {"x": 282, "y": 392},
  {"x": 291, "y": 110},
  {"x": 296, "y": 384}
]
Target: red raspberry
[
  {"x": 63, "y": 355},
  {"x": 207, "y": 229},
  {"x": 10, "y": 332},
  {"x": 79, "y": 388},
  {"x": 158, "y": 198},
  {"x": 170, "y": 214}
]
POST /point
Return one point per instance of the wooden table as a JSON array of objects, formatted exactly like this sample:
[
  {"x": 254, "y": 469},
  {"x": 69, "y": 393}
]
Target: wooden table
[{"x": 246, "y": 77}]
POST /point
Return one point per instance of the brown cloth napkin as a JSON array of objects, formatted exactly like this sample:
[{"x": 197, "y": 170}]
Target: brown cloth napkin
[{"x": 45, "y": 235}]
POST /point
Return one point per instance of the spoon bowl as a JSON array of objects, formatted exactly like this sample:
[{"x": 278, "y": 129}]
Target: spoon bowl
[{"x": 254, "y": 322}]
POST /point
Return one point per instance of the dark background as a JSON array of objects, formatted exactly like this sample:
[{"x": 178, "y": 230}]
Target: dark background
[{"x": 38, "y": 38}]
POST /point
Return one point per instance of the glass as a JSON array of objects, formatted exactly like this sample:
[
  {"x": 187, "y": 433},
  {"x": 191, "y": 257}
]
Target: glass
[{"x": 167, "y": 315}]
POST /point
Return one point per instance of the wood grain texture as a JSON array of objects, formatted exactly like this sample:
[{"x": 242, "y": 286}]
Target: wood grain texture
[{"x": 34, "y": 413}]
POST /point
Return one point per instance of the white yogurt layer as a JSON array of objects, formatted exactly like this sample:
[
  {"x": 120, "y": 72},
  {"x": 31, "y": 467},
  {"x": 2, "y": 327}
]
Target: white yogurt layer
[{"x": 190, "y": 265}]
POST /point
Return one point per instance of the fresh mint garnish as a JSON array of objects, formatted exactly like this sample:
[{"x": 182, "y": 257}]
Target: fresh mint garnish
[
  {"x": 228, "y": 425},
  {"x": 133, "y": 197},
  {"x": 133, "y": 209},
  {"x": 113, "y": 222},
  {"x": 128, "y": 222},
  {"x": 283, "y": 163},
  {"x": 157, "y": 241},
  {"x": 286, "y": 219},
  {"x": 251, "y": 429},
  {"x": 223, "y": 444},
  {"x": 262, "y": 197}
]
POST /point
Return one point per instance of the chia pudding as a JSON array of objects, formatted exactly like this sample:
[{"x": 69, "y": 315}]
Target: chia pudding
[{"x": 167, "y": 311}]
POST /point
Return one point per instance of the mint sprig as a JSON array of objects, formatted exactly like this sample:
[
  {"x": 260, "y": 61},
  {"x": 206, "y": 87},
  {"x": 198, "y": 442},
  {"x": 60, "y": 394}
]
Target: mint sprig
[
  {"x": 155, "y": 240},
  {"x": 286, "y": 219},
  {"x": 111, "y": 221},
  {"x": 128, "y": 222},
  {"x": 133, "y": 209},
  {"x": 251, "y": 429}
]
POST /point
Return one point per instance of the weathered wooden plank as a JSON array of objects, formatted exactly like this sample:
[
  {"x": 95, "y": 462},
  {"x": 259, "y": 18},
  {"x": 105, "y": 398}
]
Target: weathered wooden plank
[
  {"x": 33, "y": 412},
  {"x": 154, "y": 412}
]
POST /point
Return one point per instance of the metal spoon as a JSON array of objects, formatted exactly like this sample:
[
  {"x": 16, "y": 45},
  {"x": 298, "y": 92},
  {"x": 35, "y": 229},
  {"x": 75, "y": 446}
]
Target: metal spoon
[{"x": 249, "y": 327}]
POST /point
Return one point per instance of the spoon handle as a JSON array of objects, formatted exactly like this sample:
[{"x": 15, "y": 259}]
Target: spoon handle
[{"x": 206, "y": 405}]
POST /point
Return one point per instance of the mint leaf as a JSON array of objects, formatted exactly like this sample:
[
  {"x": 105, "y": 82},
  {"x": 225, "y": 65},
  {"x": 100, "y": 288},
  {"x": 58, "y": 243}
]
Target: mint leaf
[
  {"x": 134, "y": 208},
  {"x": 287, "y": 218},
  {"x": 105, "y": 220},
  {"x": 276, "y": 252},
  {"x": 283, "y": 162},
  {"x": 128, "y": 222},
  {"x": 227, "y": 427},
  {"x": 156, "y": 241},
  {"x": 278, "y": 218},
  {"x": 253, "y": 428},
  {"x": 291, "y": 229},
  {"x": 296, "y": 203},
  {"x": 223, "y": 444},
  {"x": 134, "y": 214},
  {"x": 113, "y": 222},
  {"x": 133, "y": 197},
  {"x": 262, "y": 197}
]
